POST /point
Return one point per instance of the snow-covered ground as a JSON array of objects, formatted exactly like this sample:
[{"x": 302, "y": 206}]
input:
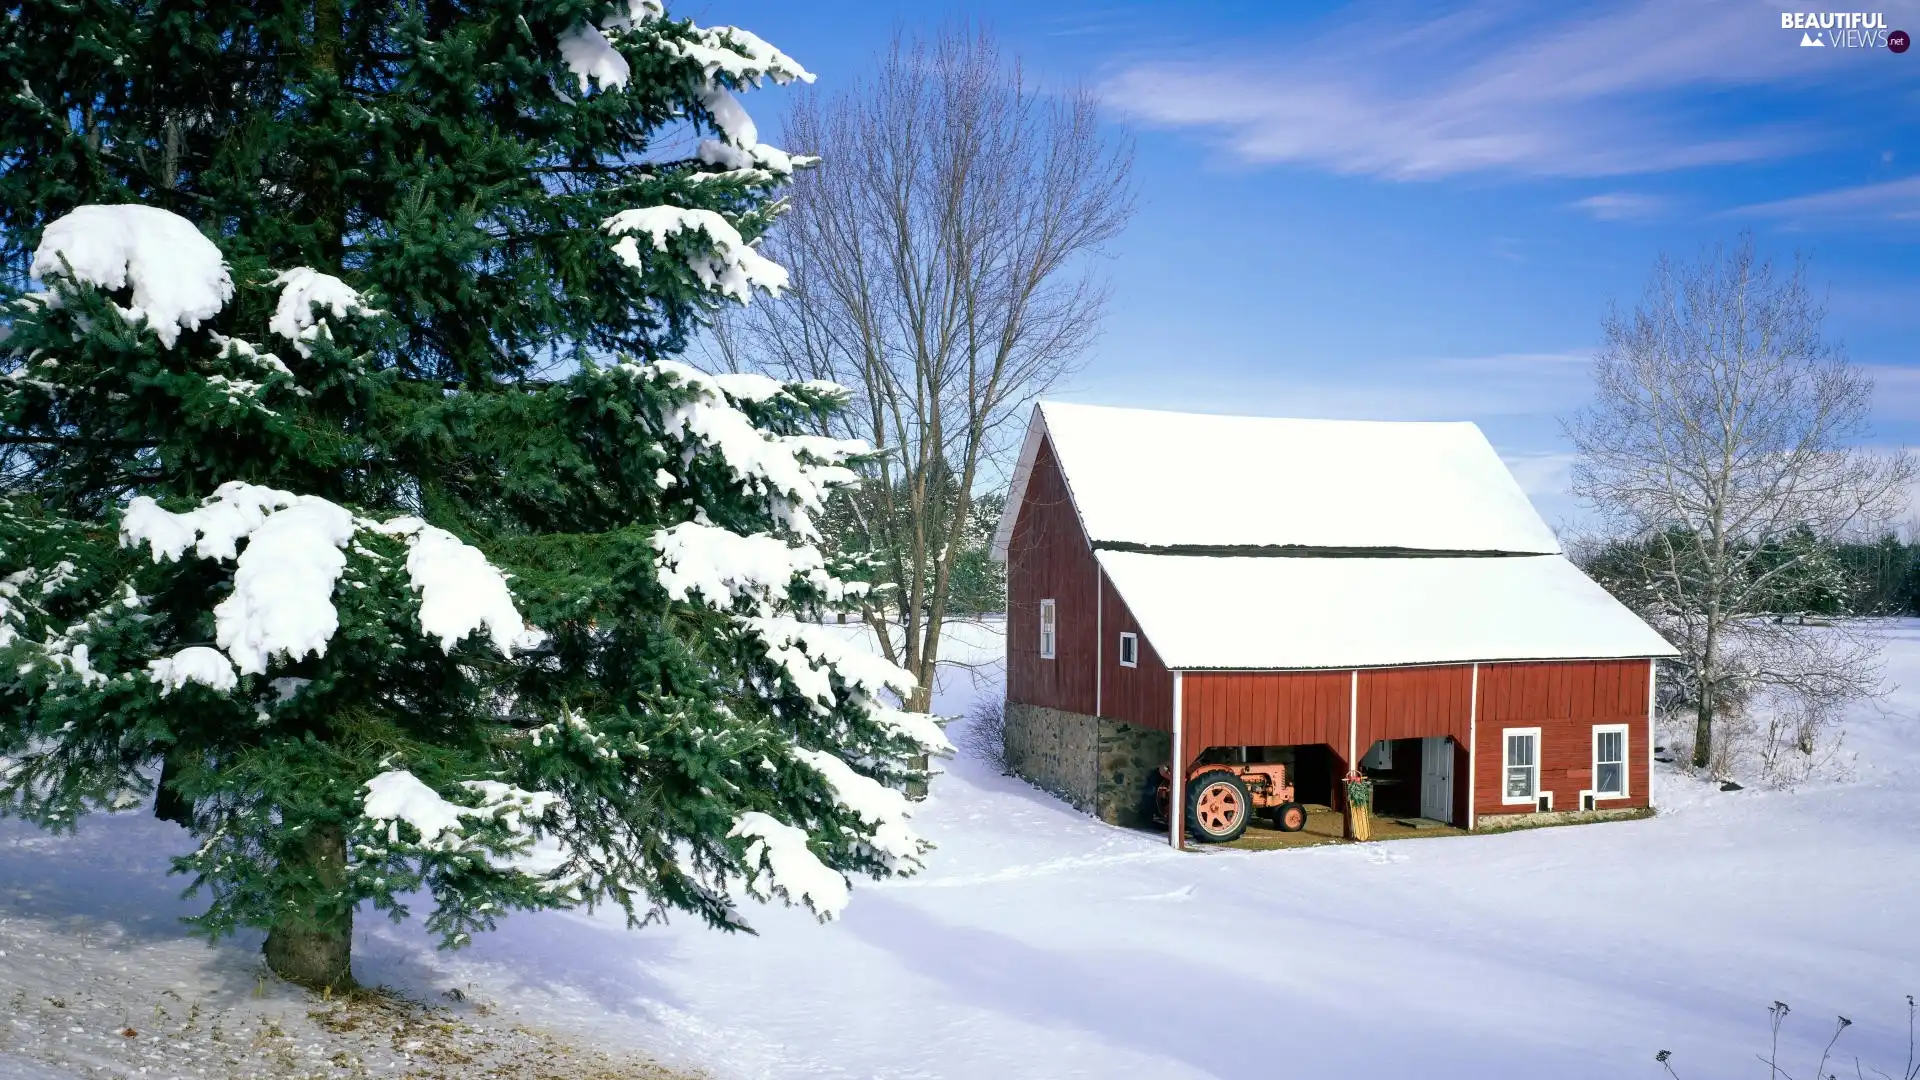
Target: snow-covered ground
[{"x": 1042, "y": 944}]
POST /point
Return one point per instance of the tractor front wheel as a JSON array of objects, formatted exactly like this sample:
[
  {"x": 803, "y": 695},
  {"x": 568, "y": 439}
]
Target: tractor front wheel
[
  {"x": 1290, "y": 817},
  {"x": 1217, "y": 807}
]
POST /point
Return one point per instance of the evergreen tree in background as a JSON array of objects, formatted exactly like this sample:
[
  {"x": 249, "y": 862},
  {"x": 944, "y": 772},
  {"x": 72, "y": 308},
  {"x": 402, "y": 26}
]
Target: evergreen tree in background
[
  {"x": 979, "y": 581},
  {"x": 856, "y": 524},
  {"x": 353, "y": 507}
]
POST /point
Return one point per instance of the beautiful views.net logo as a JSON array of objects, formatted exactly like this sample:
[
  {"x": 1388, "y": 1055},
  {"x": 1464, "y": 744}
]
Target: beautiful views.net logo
[{"x": 1845, "y": 30}]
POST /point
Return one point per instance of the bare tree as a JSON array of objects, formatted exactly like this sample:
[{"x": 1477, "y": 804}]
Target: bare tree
[
  {"x": 942, "y": 265},
  {"x": 1724, "y": 431}
]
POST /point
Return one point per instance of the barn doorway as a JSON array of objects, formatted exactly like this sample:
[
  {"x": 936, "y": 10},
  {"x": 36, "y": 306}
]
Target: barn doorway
[
  {"x": 1394, "y": 767},
  {"x": 1436, "y": 778},
  {"x": 1316, "y": 774}
]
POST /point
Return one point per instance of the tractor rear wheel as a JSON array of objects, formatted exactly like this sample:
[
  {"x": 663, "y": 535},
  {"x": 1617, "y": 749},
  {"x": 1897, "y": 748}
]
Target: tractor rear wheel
[
  {"x": 1290, "y": 817},
  {"x": 1218, "y": 807}
]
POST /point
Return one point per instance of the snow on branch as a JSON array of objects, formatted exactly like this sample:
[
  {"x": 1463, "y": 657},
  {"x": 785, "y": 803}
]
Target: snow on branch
[
  {"x": 740, "y": 55},
  {"x": 751, "y": 386},
  {"x": 736, "y": 126},
  {"x": 177, "y": 275},
  {"x": 792, "y": 869},
  {"x": 301, "y": 290},
  {"x": 74, "y": 659},
  {"x": 922, "y": 728},
  {"x": 9, "y": 610},
  {"x": 757, "y": 156},
  {"x": 809, "y": 654},
  {"x": 638, "y": 11},
  {"x": 590, "y": 55},
  {"x": 398, "y": 796},
  {"x": 800, "y": 470},
  {"x": 64, "y": 652},
  {"x": 739, "y": 145},
  {"x": 235, "y": 348},
  {"x": 873, "y": 802},
  {"x": 592, "y": 58},
  {"x": 722, "y": 565},
  {"x": 194, "y": 664},
  {"x": 731, "y": 267},
  {"x": 282, "y": 599},
  {"x": 232, "y": 512},
  {"x": 460, "y": 591},
  {"x": 283, "y": 583}
]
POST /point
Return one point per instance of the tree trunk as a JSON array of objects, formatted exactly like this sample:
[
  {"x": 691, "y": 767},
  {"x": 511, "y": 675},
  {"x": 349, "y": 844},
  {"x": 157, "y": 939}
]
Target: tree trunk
[
  {"x": 312, "y": 946},
  {"x": 168, "y": 803},
  {"x": 921, "y": 700},
  {"x": 1709, "y": 685},
  {"x": 1703, "y": 730}
]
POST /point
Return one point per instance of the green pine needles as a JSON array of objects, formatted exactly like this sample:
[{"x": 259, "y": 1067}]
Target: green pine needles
[{"x": 352, "y": 508}]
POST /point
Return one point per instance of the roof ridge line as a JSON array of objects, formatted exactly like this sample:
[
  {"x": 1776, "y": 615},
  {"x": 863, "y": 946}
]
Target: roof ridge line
[{"x": 1306, "y": 551}]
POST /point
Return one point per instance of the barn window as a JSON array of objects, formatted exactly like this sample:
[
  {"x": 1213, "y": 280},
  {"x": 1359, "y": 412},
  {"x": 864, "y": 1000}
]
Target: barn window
[
  {"x": 1523, "y": 765},
  {"x": 1129, "y": 650},
  {"x": 1049, "y": 629},
  {"x": 1610, "y": 761}
]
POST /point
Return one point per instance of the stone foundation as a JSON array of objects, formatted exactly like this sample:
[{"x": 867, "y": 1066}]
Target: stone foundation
[
  {"x": 1054, "y": 750},
  {"x": 1509, "y": 822},
  {"x": 1129, "y": 755},
  {"x": 1099, "y": 766}
]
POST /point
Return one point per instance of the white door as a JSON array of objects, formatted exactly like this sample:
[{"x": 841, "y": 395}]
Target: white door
[{"x": 1436, "y": 779}]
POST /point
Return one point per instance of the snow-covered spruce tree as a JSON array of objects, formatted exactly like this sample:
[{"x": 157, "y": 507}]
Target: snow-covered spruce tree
[{"x": 352, "y": 505}]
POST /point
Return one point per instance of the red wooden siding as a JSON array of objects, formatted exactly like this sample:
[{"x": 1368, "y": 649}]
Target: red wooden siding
[
  {"x": 1565, "y": 700},
  {"x": 1292, "y": 708},
  {"x": 1048, "y": 558},
  {"x": 1600, "y": 691},
  {"x": 1410, "y": 703},
  {"x": 1301, "y": 708},
  {"x": 1266, "y": 708},
  {"x": 1139, "y": 695}
]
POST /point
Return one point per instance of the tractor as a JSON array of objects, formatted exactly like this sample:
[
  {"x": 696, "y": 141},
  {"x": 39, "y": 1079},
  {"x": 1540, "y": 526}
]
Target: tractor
[{"x": 1222, "y": 798}]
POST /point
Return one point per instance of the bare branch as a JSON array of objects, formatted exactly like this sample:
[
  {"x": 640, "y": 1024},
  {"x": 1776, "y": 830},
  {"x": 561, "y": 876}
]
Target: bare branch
[
  {"x": 1724, "y": 428},
  {"x": 943, "y": 259}
]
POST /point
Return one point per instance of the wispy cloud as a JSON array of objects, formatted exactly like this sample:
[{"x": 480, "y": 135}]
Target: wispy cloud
[
  {"x": 1621, "y": 206},
  {"x": 1541, "y": 474},
  {"x": 1896, "y": 394},
  {"x": 1542, "y": 384},
  {"x": 1893, "y": 200},
  {"x": 1489, "y": 89}
]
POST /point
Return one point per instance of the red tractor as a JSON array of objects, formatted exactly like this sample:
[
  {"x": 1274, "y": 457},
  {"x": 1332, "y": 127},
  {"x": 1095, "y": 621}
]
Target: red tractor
[{"x": 1222, "y": 797}]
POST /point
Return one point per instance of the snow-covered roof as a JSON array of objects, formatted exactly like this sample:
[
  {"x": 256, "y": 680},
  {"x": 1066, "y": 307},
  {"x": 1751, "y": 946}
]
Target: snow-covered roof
[
  {"x": 1284, "y": 612},
  {"x": 1168, "y": 480}
]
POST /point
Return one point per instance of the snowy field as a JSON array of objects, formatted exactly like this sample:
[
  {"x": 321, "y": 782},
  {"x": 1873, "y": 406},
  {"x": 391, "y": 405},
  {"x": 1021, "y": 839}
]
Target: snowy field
[{"x": 1042, "y": 944}]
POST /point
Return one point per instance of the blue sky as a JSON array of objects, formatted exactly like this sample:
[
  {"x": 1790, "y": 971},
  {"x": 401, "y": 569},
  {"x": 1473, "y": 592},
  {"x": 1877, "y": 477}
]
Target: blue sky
[{"x": 1423, "y": 212}]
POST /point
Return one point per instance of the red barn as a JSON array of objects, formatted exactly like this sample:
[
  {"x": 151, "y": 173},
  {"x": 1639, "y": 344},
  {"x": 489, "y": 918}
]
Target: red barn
[{"x": 1316, "y": 593}]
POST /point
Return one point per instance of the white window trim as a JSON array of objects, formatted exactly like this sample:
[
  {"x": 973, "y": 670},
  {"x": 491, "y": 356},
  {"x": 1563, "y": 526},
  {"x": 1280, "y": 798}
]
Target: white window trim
[
  {"x": 1049, "y": 638},
  {"x": 1532, "y": 798},
  {"x": 1626, "y": 757},
  {"x": 1134, "y": 640}
]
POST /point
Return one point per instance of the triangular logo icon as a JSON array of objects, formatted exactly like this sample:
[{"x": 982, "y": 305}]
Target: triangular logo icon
[{"x": 1808, "y": 41}]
